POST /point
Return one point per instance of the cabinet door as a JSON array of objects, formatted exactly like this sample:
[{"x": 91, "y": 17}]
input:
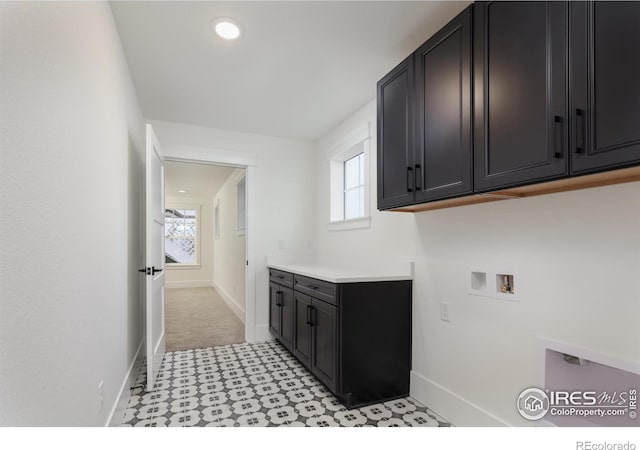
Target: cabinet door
[
  {"x": 395, "y": 146},
  {"x": 443, "y": 112},
  {"x": 286, "y": 317},
  {"x": 274, "y": 309},
  {"x": 302, "y": 328},
  {"x": 324, "y": 329},
  {"x": 605, "y": 82},
  {"x": 520, "y": 77}
]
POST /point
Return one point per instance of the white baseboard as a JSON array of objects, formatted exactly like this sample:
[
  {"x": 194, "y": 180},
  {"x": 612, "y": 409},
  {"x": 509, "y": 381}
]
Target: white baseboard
[
  {"x": 188, "y": 284},
  {"x": 262, "y": 333},
  {"x": 117, "y": 411},
  {"x": 237, "y": 310},
  {"x": 457, "y": 410}
]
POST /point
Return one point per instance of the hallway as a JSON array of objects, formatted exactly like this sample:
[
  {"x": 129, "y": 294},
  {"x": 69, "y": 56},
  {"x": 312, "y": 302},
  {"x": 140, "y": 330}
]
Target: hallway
[{"x": 198, "y": 318}]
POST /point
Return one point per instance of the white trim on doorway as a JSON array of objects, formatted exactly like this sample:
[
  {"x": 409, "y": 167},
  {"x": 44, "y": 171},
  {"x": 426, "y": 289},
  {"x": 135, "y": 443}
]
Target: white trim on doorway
[{"x": 203, "y": 155}]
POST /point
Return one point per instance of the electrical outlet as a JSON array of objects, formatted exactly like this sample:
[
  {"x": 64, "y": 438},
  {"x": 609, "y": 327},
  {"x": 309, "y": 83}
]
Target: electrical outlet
[
  {"x": 101, "y": 395},
  {"x": 445, "y": 312}
]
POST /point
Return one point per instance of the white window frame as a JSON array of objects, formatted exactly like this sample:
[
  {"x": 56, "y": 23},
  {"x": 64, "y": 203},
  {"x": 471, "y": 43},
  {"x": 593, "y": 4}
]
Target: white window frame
[
  {"x": 197, "y": 207},
  {"x": 358, "y": 151},
  {"x": 357, "y": 142}
]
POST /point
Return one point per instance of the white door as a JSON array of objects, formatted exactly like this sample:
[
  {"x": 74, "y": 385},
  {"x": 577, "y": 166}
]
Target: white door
[{"x": 155, "y": 257}]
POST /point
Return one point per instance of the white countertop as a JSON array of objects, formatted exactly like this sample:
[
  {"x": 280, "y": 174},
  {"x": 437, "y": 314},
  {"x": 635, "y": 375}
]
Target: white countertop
[{"x": 343, "y": 274}]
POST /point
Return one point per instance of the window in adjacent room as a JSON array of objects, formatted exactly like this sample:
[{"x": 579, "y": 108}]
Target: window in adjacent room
[
  {"x": 216, "y": 218},
  {"x": 349, "y": 196},
  {"x": 242, "y": 210},
  {"x": 181, "y": 236}
]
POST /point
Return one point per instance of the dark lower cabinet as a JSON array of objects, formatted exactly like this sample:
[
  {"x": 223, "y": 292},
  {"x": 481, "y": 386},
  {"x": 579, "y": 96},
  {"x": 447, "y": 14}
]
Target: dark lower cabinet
[
  {"x": 316, "y": 336},
  {"x": 281, "y": 313},
  {"x": 375, "y": 341},
  {"x": 324, "y": 342},
  {"x": 520, "y": 73},
  {"x": 302, "y": 328},
  {"x": 286, "y": 324},
  {"x": 355, "y": 338},
  {"x": 605, "y": 80},
  {"x": 274, "y": 309}
]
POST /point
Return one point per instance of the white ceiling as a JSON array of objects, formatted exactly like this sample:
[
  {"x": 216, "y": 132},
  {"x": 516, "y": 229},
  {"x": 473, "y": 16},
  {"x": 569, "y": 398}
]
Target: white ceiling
[
  {"x": 298, "y": 70},
  {"x": 199, "y": 180}
]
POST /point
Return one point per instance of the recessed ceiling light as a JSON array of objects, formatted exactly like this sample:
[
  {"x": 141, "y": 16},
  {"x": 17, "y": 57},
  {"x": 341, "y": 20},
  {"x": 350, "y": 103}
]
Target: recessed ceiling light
[
  {"x": 226, "y": 29},
  {"x": 182, "y": 191}
]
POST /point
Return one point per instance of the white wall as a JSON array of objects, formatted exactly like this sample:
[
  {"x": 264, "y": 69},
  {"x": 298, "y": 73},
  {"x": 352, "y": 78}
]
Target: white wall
[
  {"x": 229, "y": 256},
  {"x": 578, "y": 258},
  {"x": 359, "y": 245},
  {"x": 71, "y": 174},
  {"x": 284, "y": 186},
  {"x": 178, "y": 277}
]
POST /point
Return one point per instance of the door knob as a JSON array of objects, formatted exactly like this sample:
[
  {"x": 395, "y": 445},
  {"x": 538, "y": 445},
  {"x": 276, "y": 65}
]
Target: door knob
[
  {"x": 146, "y": 270},
  {"x": 154, "y": 270}
]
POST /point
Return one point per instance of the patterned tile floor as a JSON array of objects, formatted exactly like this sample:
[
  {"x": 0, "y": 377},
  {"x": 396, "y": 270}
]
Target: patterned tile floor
[{"x": 258, "y": 384}]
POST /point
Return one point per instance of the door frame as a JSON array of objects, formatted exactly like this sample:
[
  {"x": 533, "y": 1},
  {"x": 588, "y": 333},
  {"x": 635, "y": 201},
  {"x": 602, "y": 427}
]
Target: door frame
[{"x": 212, "y": 156}]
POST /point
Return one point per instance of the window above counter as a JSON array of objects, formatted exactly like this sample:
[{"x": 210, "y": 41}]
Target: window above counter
[{"x": 349, "y": 182}]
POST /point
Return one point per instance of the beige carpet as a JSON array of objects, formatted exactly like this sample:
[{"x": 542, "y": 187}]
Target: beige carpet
[{"x": 197, "y": 318}]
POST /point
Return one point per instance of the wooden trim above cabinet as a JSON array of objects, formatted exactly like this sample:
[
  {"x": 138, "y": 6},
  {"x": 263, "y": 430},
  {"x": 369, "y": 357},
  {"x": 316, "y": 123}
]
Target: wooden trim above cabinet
[{"x": 567, "y": 184}]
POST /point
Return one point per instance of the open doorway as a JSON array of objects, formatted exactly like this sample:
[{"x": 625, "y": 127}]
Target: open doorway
[{"x": 205, "y": 255}]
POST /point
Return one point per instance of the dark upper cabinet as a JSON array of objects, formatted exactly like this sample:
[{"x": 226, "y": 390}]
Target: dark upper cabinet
[
  {"x": 520, "y": 77},
  {"x": 443, "y": 138},
  {"x": 395, "y": 140},
  {"x": 508, "y": 95},
  {"x": 424, "y": 121},
  {"x": 605, "y": 85}
]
